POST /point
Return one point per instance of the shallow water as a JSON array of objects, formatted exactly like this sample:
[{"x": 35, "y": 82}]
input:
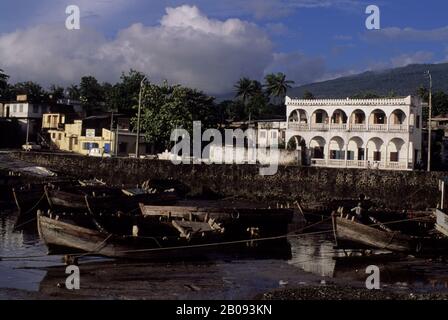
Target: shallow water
[{"x": 304, "y": 260}]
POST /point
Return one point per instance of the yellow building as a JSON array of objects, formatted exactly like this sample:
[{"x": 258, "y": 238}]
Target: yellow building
[{"x": 79, "y": 138}]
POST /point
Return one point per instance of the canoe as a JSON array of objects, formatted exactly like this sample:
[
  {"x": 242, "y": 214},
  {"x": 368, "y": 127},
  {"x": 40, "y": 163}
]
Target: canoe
[
  {"x": 170, "y": 238},
  {"x": 348, "y": 230}
]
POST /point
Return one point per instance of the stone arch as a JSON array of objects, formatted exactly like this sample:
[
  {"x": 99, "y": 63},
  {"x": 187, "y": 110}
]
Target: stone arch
[
  {"x": 377, "y": 116},
  {"x": 358, "y": 117},
  {"x": 299, "y": 116},
  {"x": 355, "y": 149},
  {"x": 375, "y": 150},
  {"x": 397, "y": 150},
  {"x": 339, "y": 117},
  {"x": 317, "y": 146},
  {"x": 319, "y": 116},
  {"x": 336, "y": 148},
  {"x": 397, "y": 117}
]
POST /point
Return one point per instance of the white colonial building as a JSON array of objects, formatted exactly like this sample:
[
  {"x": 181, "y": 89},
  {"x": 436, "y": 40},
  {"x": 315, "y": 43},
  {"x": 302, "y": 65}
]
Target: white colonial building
[{"x": 357, "y": 133}]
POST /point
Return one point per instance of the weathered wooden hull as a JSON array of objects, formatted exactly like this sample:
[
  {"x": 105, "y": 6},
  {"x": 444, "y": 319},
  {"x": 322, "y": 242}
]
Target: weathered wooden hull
[
  {"x": 352, "y": 231},
  {"x": 442, "y": 222},
  {"x": 59, "y": 234},
  {"x": 70, "y": 238}
]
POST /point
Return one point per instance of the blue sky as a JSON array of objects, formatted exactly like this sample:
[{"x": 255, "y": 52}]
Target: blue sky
[{"x": 210, "y": 44}]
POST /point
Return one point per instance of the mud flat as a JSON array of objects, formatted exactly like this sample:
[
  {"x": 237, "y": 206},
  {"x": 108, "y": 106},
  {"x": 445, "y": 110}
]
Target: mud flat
[{"x": 336, "y": 292}]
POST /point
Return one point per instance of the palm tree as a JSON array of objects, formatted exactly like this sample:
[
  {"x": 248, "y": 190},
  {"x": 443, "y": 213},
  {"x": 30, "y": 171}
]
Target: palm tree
[
  {"x": 3, "y": 80},
  {"x": 277, "y": 85},
  {"x": 244, "y": 89},
  {"x": 247, "y": 90}
]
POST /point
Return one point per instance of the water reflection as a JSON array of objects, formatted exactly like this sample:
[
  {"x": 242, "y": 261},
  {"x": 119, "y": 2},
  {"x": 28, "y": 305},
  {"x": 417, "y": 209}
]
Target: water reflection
[{"x": 237, "y": 275}]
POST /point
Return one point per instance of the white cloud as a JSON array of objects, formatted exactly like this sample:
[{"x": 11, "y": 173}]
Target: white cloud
[
  {"x": 298, "y": 67},
  {"x": 186, "y": 47},
  {"x": 413, "y": 58},
  {"x": 407, "y": 34}
]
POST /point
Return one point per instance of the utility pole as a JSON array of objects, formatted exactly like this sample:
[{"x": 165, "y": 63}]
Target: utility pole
[
  {"x": 429, "y": 121},
  {"x": 137, "y": 143}
]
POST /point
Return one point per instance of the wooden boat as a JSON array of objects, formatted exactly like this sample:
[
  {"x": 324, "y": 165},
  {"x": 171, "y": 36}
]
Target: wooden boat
[
  {"x": 236, "y": 218},
  {"x": 346, "y": 229},
  {"x": 441, "y": 222},
  {"x": 146, "y": 239}
]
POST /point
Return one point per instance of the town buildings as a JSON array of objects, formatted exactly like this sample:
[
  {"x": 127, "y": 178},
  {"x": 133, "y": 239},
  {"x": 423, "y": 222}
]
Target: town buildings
[
  {"x": 357, "y": 133},
  {"x": 109, "y": 134}
]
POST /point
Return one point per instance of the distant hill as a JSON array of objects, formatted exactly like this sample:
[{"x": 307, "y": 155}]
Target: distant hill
[{"x": 401, "y": 81}]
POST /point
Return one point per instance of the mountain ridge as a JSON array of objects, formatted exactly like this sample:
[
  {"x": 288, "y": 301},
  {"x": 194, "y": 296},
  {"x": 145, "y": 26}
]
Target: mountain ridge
[{"x": 402, "y": 81}]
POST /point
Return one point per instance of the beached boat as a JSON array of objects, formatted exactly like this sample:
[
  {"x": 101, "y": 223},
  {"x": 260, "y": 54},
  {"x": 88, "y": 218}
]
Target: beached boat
[
  {"x": 149, "y": 239},
  {"x": 237, "y": 218},
  {"x": 347, "y": 229}
]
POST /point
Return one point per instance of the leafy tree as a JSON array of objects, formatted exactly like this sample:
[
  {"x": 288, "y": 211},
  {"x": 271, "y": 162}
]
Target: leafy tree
[
  {"x": 167, "y": 107},
  {"x": 3, "y": 80},
  {"x": 439, "y": 103},
  {"x": 123, "y": 97},
  {"x": 5, "y": 89},
  {"x": 277, "y": 86},
  {"x": 91, "y": 94},
  {"x": 73, "y": 92},
  {"x": 33, "y": 91},
  {"x": 56, "y": 92},
  {"x": 308, "y": 95},
  {"x": 244, "y": 89}
]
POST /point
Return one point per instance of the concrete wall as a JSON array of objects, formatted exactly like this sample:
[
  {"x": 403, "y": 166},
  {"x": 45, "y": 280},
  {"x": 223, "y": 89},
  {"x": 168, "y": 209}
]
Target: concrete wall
[{"x": 395, "y": 189}]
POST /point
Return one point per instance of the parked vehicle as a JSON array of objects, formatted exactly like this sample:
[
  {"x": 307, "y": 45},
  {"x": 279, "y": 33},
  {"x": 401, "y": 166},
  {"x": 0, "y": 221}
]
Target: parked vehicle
[
  {"x": 97, "y": 152},
  {"x": 30, "y": 146}
]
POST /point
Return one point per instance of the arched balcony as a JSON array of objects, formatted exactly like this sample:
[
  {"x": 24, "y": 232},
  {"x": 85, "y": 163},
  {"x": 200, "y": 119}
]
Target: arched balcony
[
  {"x": 397, "y": 154},
  {"x": 398, "y": 121},
  {"x": 355, "y": 152},
  {"x": 320, "y": 120},
  {"x": 336, "y": 151},
  {"x": 298, "y": 119},
  {"x": 317, "y": 147},
  {"x": 378, "y": 121},
  {"x": 358, "y": 121},
  {"x": 338, "y": 120}
]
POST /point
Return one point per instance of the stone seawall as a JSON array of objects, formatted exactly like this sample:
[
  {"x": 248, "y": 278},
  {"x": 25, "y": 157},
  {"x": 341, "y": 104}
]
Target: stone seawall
[{"x": 395, "y": 189}]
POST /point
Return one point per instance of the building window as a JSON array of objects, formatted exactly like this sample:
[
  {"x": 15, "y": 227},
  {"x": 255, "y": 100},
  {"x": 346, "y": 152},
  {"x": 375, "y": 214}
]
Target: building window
[
  {"x": 59, "y": 136},
  {"x": 319, "y": 117},
  {"x": 53, "y": 135},
  {"x": 418, "y": 122},
  {"x": 377, "y": 156},
  {"x": 361, "y": 154},
  {"x": 274, "y": 134},
  {"x": 14, "y": 108},
  {"x": 75, "y": 141},
  {"x": 394, "y": 157},
  {"x": 318, "y": 153},
  {"x": 263, "y": 134},
  {"x": 20, "y": 107},
  {"x": 350, "y": 155}
]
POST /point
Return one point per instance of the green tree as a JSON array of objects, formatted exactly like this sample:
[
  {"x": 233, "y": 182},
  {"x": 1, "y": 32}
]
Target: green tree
[
  {"x": 56, "y": 92},
  {"x": 250, "y": 93},
  {"x": 3, "y": 80},
  {"x": 33, "y": 91},
  {"x": 244, "y": 89},
  {"x": 167, "y": 107},
  {"x": 123, "y": 97},
  {"x": 91, "y": 95},
  {"x": 308, "y": 95},
  {"x": 73, "y": 92},
  {"x": 277, "y": 86},
  {"x": 439, "y": 103}
]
